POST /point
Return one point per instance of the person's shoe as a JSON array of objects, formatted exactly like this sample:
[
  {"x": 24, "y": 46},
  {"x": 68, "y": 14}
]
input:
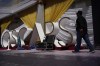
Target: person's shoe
[
  {"x": 75, "y": 51},
  {"x": 92, "y": 51}
]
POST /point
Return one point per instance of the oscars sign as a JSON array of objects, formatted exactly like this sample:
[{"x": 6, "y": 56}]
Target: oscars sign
[{"x": 10, "y": 38}]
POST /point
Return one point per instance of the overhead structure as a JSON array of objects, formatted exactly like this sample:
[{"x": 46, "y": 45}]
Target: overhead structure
[{"x": 53, "y": 11}]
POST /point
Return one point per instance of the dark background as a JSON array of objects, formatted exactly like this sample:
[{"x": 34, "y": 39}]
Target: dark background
[
  {"x": 0, "y": 36},
  {"x": 96, "y": 21}
]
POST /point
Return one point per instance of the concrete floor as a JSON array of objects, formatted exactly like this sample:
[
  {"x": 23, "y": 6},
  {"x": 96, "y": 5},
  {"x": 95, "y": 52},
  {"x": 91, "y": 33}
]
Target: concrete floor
[{"x": 49, "y": 58}]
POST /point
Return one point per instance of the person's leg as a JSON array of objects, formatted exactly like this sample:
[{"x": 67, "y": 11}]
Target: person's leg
[
  {"x": 90, "y": 46},
  {"x": 79, "y": 38}
]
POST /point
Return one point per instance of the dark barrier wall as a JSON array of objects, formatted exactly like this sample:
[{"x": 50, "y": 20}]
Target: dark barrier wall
[
  {"x": 0, "y": 36},
  {"x": 96, "y": 21}
]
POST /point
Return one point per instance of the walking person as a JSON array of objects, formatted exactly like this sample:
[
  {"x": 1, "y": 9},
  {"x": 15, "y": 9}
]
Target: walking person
[{"x": 81, "y": 29}]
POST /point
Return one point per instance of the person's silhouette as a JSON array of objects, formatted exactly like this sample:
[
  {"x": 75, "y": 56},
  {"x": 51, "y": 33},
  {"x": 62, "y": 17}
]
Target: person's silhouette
[{"x": 81, "y": 29}]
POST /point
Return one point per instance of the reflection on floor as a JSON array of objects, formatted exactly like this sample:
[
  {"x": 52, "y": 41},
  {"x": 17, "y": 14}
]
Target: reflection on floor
[{"x": 49, "y": 58}]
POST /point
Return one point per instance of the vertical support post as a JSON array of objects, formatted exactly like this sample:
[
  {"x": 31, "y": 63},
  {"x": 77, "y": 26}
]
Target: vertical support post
[
  {"x": 40, "y": 19},
  {"x": 40, "y": 13}
]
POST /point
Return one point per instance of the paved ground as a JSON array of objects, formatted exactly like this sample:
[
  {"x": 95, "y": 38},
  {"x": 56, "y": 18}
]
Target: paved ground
[{"x": 49, "y": 58}]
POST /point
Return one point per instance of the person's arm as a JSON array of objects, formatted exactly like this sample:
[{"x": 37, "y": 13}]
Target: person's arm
[{"x": 82, "y": 23}]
